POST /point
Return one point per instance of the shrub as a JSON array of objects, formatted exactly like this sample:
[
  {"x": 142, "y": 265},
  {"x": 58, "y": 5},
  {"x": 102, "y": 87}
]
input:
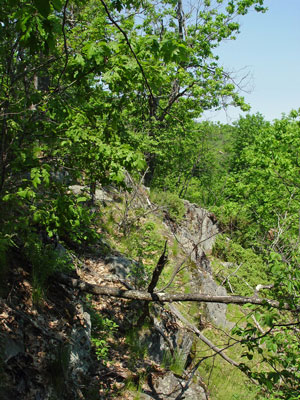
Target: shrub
[
  {"x": 45, "y": 260},
  {"x": 171, "y": 203}
]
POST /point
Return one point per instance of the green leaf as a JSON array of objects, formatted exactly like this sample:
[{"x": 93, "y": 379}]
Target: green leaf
[{"x": 81, "y": 199}]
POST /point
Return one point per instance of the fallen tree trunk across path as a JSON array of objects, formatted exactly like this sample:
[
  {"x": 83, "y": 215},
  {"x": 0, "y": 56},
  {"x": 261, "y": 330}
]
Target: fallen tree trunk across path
[{"x": 165, "y": 297}]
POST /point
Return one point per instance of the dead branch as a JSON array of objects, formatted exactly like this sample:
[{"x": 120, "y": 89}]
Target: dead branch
[
  {"x": 158, "y": 269},
  {"x": 167, "y": 297},
  {"x": 155, "y": 277}
]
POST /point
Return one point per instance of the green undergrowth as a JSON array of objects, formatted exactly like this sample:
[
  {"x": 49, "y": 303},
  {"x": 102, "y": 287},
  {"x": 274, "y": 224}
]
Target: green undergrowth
[
  {"x": 45, "y": 260},
  {"x": 138, "y": 348},
  {"x": 224, "y": 381},
  {"x": 170, "y": 203},
  {"x": 174, "y": 362},
  {"x": 102, "y": 329},
  {"x": 143, "y": 240},
  {"x": 239, "y": 270}
]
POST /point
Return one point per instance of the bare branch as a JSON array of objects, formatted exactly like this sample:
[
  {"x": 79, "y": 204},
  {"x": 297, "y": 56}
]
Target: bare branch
[
  {"x": 204, "y": 339},
  {"x": 158, "y": 269},
  {"x": 167, "y": 297}
]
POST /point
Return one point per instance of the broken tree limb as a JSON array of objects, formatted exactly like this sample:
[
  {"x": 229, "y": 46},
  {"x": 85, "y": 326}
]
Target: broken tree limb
[
  {"x": 167, "y": 297},
  {"x": 158, "y": 269},
  {"x": 154, "y": 280}
]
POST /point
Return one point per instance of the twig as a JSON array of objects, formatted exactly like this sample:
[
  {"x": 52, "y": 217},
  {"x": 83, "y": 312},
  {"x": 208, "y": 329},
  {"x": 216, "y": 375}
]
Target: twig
[
  {"x": 65, "y": 42},
  {"x": 204, "y": 339}
]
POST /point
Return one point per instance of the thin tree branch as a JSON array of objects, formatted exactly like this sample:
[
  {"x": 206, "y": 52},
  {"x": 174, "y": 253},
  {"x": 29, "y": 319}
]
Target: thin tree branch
[
  {"x": 130, "y": 47},
  {"x": 204, "y": 339},
  {"x": 65, "y": 41}
]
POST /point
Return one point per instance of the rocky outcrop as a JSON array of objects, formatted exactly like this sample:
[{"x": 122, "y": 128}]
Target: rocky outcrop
[
  {"x": 53, "y": 346},
  {"x": 122, "y": 267},
  {"x": 196, "y": 234},
  {"x": 100, "y": 195},
  {"x": 171, "y": 387},
  {"x": 45, "y": 350},
  {"x": 80, "y": 344},
  {"x": 216, "y": 313}
]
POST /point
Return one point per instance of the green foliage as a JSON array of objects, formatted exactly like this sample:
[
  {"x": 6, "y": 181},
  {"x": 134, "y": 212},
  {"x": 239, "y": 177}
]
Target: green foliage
[
  {"x": 6, "y": 243},
  {"x": 224, "y": 381},
  {"x": 282, "y": 356},
  {"x": 245, "y": 269},
  {"x": 45, "y": 260},
  {"x": 79, "y": 105},
  {"x": 102, "y": 329},
  {"x": 171, "y": 203},
  {"x": 76, "y": 102},
  {"x": 145, "y": 245},
  {"x": 264, "y": 174},
  {"x": 174, "y": 362}
]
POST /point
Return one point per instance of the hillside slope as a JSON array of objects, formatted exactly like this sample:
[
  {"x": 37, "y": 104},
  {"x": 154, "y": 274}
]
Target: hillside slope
[{"x": 70, "y": 344}]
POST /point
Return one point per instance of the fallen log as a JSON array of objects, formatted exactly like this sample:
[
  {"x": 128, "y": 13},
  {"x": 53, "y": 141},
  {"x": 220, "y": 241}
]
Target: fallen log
[{"x": 167, "y": 297}]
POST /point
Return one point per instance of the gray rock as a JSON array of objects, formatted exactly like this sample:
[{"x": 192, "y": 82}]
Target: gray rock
[
  {"x": 165, "y": 338},
  {"x": 170, "y": 386},
  {"x": 61, "y": 176},
  {"x": 196, "y": 234},
  {"x": 12, "y": 348},
  {"x": 100, "y": 195},
  {"x": 215, "y": 312},
  {"x": 80, "y": 360},
  {"x": 125, "y": 269},
  {"x": 119, "y": 265}
]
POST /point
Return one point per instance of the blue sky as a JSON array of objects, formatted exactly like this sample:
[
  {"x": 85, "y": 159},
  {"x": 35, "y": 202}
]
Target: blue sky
[{"x": 269, "y": 47}]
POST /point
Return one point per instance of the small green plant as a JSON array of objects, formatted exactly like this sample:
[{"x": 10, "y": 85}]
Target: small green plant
[
  {"x": 102, "y": 329},
  {"x": 175, "y": 248},
  {"x": 45, "y": 261},
  {"x": 135, "y": 388},
  {"x": 6, "y": 243},
  {"x": 58, "y": 368},
  {"x": 174, "y": 362},
  {"x": 138, "y": 348},
  {"x": 145, "y": 245},
  {"x": 101, "y": 348}
]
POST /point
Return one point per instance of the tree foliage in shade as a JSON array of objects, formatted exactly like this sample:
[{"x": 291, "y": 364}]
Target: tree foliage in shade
[{"x": 89, "y": 88}]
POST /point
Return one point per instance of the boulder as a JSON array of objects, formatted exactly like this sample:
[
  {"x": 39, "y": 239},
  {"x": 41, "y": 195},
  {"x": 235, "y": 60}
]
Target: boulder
[
  {"x": 215, "y": 312},
  {"x": 100, "y": 194},
  {"x": 170, "y": 386}
]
